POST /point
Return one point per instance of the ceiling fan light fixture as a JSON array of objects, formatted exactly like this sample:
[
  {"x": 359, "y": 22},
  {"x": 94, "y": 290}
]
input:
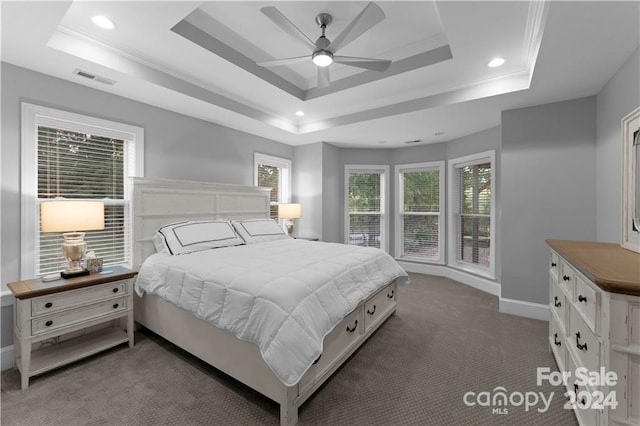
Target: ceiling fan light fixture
[{"x": 322, "y": 58}]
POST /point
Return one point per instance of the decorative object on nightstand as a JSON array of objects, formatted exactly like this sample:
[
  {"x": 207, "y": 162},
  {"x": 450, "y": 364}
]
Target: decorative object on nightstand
[
  {"x": 70, "y": 319},
  {"x": 289, "y": 212},
  {"x": 71, "y": 217}
]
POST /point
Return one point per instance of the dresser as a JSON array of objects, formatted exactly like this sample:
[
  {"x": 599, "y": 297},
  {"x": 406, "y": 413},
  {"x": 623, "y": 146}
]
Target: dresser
[
  {"x": 594, "y": 329},
  {"x": 62, "y": 321}
]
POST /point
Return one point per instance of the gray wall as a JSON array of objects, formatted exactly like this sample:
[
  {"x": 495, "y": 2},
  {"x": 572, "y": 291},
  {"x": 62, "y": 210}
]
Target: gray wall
[
  {"x": 332, "y": 194},
  {"x": 176, "y": 147},
  {"x": 547, "y": 189},
  {"x": 307, "y": 174},
  {"x": 619, "y": 97}
]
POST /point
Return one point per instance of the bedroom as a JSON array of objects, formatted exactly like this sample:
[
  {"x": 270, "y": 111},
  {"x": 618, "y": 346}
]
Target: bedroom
[{"x": 561, "y": 116}]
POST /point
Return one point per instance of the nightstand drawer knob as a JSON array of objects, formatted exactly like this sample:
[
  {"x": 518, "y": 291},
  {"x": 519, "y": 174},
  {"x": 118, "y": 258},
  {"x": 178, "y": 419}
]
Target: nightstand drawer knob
[
  {"x": 115, "y": 290},
  {"x": 115, "y": 306},
  {"x": 48, "y": 305},
  {"x": 48, "y": 323}
]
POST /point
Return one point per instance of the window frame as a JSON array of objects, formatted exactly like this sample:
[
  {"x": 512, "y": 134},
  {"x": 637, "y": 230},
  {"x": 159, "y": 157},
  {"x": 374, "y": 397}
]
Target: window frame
[
  {"x": 285, "y": 183},
  {"x": 31, "y": 117},
  {"x": 384, "y": 200},
  {"x": 453, "y": 181},
  {"x": 399, "y": 170}
]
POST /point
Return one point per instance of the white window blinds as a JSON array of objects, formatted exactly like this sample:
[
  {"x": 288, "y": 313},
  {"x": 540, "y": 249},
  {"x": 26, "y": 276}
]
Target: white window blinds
[
  {"x": 419, "y": 216},
  {"x": 365, "y": 207}
]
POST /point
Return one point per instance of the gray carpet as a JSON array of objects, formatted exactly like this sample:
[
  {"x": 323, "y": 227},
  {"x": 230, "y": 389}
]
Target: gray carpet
[{"x": 445, "y": 340}]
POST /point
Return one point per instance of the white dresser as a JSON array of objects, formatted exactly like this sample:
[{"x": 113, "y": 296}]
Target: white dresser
[
  {"x": 594, "y": 329},
  {"x": 62, "y": 321}
]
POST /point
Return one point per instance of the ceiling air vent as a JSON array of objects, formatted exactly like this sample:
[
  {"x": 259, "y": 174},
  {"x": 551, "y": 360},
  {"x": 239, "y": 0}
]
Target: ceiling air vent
[
  {"x": 94, "y": 77},
  {"x": 413, "y": 141}
]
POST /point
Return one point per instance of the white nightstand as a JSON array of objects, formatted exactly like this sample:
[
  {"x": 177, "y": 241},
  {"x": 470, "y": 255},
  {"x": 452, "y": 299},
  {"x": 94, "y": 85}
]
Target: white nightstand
[{"x": 70, "y": 319}]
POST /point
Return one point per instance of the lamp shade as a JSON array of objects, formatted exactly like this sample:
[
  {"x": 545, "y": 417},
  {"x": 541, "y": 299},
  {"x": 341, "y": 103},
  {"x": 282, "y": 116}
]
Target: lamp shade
[
  {"x": 289, "y": 211},
  {"x": 71, "y": 215}
]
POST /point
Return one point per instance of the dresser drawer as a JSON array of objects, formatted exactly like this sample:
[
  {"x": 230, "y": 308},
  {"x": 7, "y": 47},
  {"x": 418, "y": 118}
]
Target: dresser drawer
[
  {"x": 585, "y": 301},
  {"x": 583, "y": 399},
  {"x": 47, "y": 323},
  {"x": 554, "y": 265},
  {"x": 584, "y": 342},
  {"x": 82, "y": 296},
  {"x": 558, "y": 343},
  {"x": 567, "y": 278},
  {"x": 379, "y": 305},
  {"x": 558, "y": 303},
  {"x": 335, "y": 344}
]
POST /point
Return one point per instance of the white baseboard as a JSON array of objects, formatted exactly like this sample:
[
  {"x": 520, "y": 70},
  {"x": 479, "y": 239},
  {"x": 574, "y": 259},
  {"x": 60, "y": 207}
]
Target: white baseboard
[
  {"x": 6, "y": 357},
  {"x": 524, "y": 309},
  {"x": 474, "y": 281},
  {"x": 508, "y": 306}
]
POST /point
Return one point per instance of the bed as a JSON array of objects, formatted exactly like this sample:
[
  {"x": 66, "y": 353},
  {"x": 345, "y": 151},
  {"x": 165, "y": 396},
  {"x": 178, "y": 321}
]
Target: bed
[{"x": 159, "y": 202}]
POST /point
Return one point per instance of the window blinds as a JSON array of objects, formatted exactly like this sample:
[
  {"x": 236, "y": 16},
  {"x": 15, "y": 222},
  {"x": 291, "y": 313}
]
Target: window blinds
[
  {"x": 365, "y": 212},
  {"x": 79, "y": 165},
  {"x": 270, "y": 177},
  {"x": 420, "y": 214}
]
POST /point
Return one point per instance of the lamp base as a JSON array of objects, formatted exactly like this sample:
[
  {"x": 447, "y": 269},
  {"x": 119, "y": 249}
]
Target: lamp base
[{"x": 67, "y": 275}]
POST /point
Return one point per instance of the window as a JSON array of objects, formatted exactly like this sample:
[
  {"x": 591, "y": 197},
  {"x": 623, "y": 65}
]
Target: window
[
  {"x": 76, "y": 157},
  {"x": 365, "y": 205},
  {"x": 472, "y": 207},
  {"x": 275, "y": 173},
  {"x": 419, "y": 223}
]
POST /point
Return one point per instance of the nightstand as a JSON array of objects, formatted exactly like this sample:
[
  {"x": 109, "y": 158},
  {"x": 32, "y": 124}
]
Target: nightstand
[{"x": 62, "y": 321}]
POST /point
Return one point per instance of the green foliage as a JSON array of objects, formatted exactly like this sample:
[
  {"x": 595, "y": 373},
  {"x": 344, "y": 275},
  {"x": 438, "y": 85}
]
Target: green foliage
[
  {"x": 364, "y": 192},
  {"x": 421, "y": 191}
]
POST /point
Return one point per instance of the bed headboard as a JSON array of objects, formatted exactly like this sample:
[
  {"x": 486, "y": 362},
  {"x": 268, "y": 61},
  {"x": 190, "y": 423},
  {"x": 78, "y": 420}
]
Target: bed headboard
[{"x": 157, "y": 202}]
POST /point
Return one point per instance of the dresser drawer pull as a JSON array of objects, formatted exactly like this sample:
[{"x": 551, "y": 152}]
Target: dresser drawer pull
[
  {"x": 556, "y": 341},
  {"x": 566, "y": 277},
  {"x": 583, "y": 401},
  {"x": 316, "y": 361},
  {"x": 554, "y": 264},
  {"x": 355, "y": 325},
  {"x": 372, "y": 312},
  {"x": 48, "y": 323},
  {"x": 556, "y": 303},
  {"x": 582, "y": 298},
  {"x": 48, "y": 305},
  {"x": 390, "y": 295},
  {"x": 578, "y": 345},
  {"x": 115, "y": 306},
  {"x": 116, "y": 289}
]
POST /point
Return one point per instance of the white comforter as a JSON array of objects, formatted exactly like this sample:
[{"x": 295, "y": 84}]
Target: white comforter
[{"x": 284, "y": 295}]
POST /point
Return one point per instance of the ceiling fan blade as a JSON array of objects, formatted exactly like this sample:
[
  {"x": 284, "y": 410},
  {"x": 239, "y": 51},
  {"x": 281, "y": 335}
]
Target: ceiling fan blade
[
  {"x": 370, "y": 16},
  {"x": 379, "y": 65},
  {"x": 323, "y": 77},
  {"x": 287, "y": 26},
  {"x": 284, "y": 61}
]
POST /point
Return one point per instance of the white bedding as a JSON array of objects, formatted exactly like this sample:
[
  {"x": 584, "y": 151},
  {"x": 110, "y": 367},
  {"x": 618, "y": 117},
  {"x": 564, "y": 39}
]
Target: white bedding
[{"x": 284, "y": 295}]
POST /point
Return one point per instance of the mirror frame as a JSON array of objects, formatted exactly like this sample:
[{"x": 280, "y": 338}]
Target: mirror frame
[{"x": 630, "y": 187}]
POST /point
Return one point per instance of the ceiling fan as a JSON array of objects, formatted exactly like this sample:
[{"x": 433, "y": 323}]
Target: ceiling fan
[{"x": 323, "y": 49}]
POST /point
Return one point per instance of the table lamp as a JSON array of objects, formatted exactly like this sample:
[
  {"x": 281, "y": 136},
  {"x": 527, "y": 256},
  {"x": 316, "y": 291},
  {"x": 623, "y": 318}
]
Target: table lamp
[
  {"x": 71, "y": 217},
  {"x": 289, "y": 212}
]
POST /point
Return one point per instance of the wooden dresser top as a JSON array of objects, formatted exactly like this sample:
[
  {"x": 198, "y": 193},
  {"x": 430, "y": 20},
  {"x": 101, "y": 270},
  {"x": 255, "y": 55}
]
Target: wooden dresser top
[{"x": 611, "y": 267}]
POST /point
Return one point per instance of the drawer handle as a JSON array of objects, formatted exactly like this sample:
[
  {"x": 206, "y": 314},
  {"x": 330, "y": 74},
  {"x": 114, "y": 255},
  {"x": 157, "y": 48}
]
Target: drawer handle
[
  {"x": 372, "y": 312},
  {"x": 566, "y": 277},
  {"x": 578, "y": 345},
  {"x": 355, "y": 325},
  {"x": 556, "y": 341},
  {"x": 115, "y": 306},
  {"x": 115, "y": 290},
  {"x": 390, "y": 295},
  {"x": 554, "y": 264},
  {"x": 556, "y": 303},
  {"x": 582, "y": 298},
  {"x": 48, "y": 323},
  {"x": 316, "y": 361},
  {"x": 575, "y": 391},
  {"x": 48, "y": 305}
]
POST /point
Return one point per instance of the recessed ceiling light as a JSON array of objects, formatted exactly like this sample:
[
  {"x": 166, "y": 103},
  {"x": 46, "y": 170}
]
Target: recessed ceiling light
[
  {"x": 495, "y": 63},
  {"x": 103, "y": 22},
  {"x": 299, "y": 113}
]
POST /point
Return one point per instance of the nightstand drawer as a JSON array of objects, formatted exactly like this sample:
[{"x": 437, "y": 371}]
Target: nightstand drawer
[
  {"x": 51, "y": 322},
  {"x": 58, "y": 301}
]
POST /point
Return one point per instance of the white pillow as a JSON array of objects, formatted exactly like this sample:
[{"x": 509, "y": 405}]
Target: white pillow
[
  {"x": 191, "y": 236},
  {"x": 259, "y": 230}
]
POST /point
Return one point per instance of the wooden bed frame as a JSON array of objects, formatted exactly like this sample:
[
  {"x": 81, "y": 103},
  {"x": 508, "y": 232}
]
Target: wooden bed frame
[{"x": 158, "y": 202}]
